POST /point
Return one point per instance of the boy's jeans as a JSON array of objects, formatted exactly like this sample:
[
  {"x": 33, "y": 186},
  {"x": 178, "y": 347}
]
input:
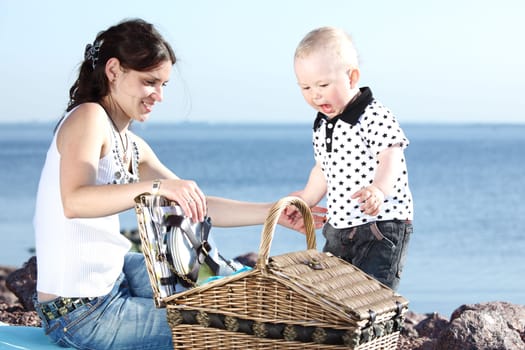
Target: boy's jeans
[
  {"x": 378, "y": 248},
  {"x": 126, "y": 318}
]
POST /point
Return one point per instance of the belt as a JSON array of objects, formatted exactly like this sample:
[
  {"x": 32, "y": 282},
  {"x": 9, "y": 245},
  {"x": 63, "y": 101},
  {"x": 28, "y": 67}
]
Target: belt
[{"x": 61, "y": 306}]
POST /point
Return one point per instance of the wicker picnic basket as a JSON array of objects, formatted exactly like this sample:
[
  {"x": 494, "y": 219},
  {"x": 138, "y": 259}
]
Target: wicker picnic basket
[{"x": 300, "y": 300}]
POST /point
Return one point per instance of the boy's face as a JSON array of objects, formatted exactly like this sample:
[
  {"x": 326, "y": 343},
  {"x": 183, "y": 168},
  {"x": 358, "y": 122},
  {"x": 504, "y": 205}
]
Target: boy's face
[{"x": 325, "y": 82}]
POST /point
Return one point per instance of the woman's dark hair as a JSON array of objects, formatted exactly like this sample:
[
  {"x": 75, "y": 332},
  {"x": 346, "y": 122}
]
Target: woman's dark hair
[{"x": 135, "y": 43}]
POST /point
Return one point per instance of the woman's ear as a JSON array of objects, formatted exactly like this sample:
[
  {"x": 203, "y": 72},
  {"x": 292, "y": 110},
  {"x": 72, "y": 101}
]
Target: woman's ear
[
  {"x": 354, "y": 77},
  {"x": 112, "y": 69}
]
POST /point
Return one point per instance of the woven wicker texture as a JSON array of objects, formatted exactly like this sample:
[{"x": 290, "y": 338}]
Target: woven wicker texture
[
  {"x": 299, "y": 300},
  {"x": 198, "y": 337}
]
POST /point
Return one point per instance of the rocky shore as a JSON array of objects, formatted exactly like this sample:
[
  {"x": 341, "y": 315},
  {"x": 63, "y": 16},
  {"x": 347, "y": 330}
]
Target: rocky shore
[{"x": 490, "y": 325}]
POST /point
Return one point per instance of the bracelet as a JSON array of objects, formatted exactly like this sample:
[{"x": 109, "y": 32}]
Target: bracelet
[{"x": 156, "y": 187}]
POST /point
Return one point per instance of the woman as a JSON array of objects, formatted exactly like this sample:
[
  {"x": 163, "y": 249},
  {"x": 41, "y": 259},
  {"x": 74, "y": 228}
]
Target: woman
[{"x": 91, "y": 292}]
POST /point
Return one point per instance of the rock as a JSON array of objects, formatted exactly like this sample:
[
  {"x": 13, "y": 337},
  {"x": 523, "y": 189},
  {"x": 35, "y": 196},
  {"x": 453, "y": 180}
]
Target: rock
[
  {"x": 17, "y": 315},
  {"x": 411, "y": 321},
  {"x": 22, "y": 283},
  {"x": 6, "y": 296},
  {"x": 11, "y": 310},
  {"x": 420, "y": 331},
  {"x": 431, "y": 326},
  {"x": 492, "y": 325}
]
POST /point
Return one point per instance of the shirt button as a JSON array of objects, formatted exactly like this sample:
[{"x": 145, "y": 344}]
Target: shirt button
[
  {"x": 329, "y": 126},
  {"x": 328, "y": 140}
]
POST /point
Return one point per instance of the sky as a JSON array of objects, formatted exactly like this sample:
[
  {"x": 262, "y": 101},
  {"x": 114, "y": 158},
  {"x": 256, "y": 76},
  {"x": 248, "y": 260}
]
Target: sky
[{"x": 458, "y": 61}]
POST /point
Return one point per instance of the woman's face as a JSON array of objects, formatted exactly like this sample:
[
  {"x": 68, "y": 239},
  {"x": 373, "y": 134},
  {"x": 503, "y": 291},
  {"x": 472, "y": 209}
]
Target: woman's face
[{"x": 136, "y": 92}]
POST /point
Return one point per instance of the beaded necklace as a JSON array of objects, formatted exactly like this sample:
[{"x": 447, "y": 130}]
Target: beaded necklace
[
  {"x": 123, "y": 174},
  {"x": 124, "y": 148}
]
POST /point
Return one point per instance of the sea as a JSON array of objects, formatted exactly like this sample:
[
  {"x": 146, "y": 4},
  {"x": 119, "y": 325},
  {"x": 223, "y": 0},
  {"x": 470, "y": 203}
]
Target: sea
[{"x": 468, "y": 183}]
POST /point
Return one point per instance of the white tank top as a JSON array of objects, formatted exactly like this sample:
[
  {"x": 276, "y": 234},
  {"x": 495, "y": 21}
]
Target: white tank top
[{"x": 78, "y": 257}]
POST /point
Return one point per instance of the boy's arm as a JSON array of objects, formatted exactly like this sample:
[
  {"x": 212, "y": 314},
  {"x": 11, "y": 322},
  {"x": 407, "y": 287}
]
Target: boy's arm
[
  {"x": 312, "y": 194},
  {"x": 315, "y": 188},
  {"x": 389, "y": 165}
]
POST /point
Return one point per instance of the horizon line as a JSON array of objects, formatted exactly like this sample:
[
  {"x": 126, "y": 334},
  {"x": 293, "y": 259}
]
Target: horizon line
[{"x": 188, "y": 122}]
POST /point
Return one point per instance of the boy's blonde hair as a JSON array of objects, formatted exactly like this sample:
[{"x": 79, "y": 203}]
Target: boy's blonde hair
[{"x": 329, "y": 39}]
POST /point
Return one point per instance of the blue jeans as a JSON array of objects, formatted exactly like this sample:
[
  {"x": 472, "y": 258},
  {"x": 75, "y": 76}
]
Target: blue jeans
[
  {"x": 378, "y": 248},
  {"x": 126, "y": 318}
]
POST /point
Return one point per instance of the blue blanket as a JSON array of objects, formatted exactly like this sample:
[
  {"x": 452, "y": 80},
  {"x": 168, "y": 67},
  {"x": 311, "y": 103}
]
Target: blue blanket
[{"x": 24, "y": 338}]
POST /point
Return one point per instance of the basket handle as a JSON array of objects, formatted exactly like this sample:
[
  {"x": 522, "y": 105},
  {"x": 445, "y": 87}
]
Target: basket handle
[{"x": 271, "y": 222}]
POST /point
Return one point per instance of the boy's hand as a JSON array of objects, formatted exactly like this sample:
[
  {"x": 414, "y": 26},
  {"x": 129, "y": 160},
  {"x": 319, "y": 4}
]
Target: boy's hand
[
  {"x": 291, "y": 217},
  {"x": 371, "y": 199}
]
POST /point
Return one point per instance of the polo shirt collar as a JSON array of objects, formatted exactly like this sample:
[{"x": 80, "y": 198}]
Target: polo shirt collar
[{"x": 352, "y": 111}]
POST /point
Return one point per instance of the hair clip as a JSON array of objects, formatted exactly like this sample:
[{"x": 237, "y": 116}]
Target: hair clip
[{"x": 91, "y": 53}]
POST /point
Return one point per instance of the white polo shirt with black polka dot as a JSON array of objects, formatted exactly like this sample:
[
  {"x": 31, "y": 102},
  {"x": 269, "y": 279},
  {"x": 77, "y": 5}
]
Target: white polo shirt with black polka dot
[{"x": 347, "y": 147}]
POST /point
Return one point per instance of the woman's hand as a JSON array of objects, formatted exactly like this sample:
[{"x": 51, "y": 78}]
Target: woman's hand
[
  {"x": 291, "y": 217},
  {"x": 188, "y": 195}
]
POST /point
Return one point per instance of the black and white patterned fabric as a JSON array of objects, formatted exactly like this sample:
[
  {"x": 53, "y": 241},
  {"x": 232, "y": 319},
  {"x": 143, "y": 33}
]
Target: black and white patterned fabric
[{"x": 347, "y": 148}]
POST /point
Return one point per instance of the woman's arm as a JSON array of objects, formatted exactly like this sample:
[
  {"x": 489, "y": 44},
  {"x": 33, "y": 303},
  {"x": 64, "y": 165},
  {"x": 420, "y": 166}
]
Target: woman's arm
[
  {"x": 228, "y": 212},
  {"x": 82, "y": 140},
  {"x": 185, "y": 192}
]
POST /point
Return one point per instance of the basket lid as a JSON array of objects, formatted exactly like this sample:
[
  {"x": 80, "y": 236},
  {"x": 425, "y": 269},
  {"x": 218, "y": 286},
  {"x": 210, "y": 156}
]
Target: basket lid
[{"x": 334, "y": 281}]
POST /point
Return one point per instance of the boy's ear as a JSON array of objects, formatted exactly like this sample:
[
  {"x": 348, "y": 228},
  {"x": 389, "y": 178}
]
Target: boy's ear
[{"x": 354, "y": 77}]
